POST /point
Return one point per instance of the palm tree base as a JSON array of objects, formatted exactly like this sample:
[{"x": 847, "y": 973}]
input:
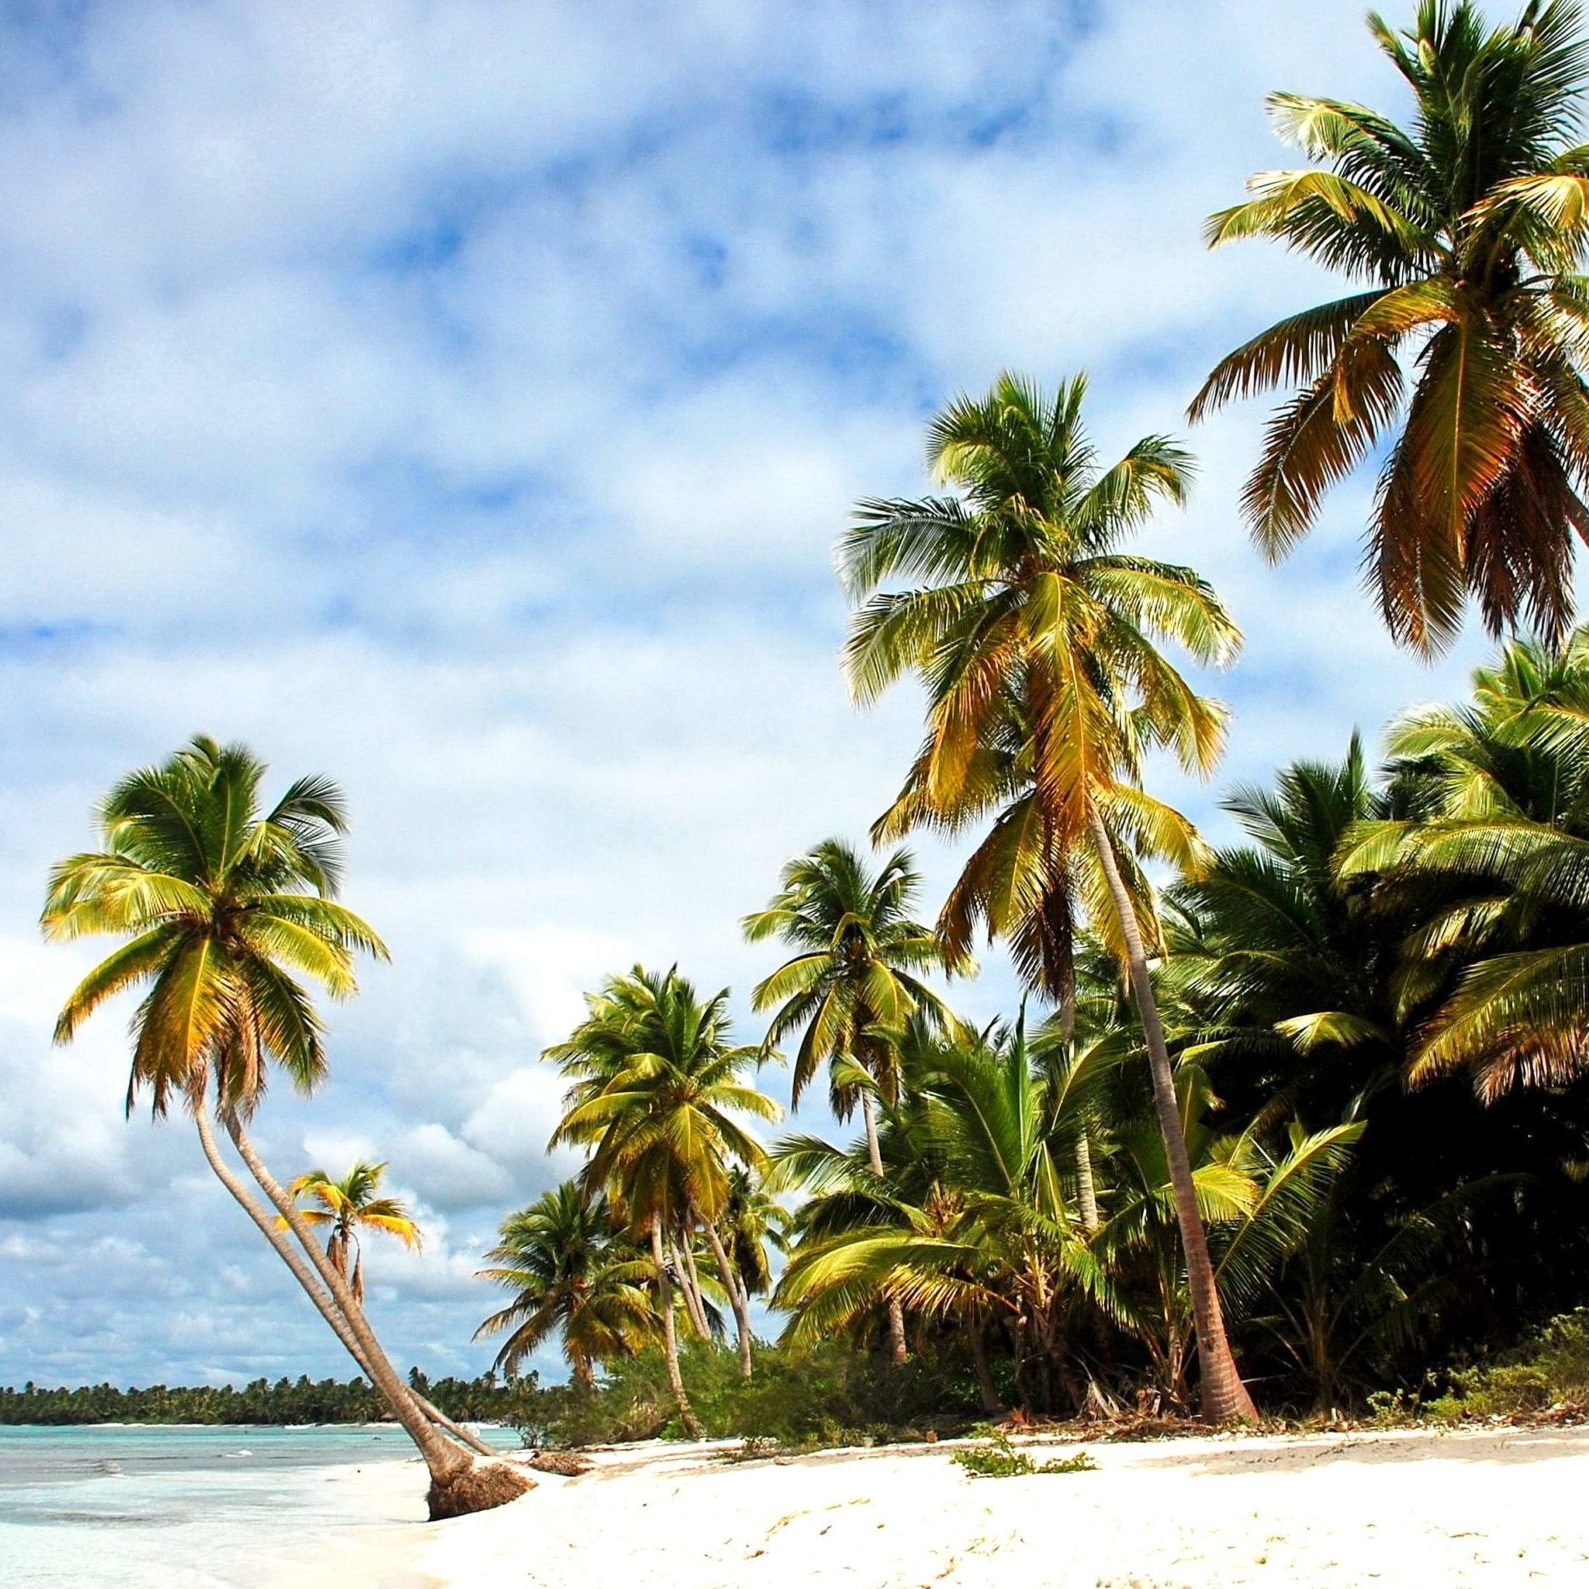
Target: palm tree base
[{"x": 477, "y": 1488}]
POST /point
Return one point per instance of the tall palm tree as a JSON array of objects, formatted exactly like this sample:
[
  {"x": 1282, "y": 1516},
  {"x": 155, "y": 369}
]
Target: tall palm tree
[
  {"x": 1462, "y": 342},
  {"x": 571, "y": 1268},
  {"x": 224, "y": 905},
  {"x": 659, "y": 1086},
  {"x": 1029, "y": 614},
  {"x": 855, "y": 981},
  {"x": 349, "y": 1207}
]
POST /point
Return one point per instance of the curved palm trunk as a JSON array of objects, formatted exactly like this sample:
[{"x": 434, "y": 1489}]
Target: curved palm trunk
[
  {"x": 1224, "y": 1396},
  {"x": 289, "y": 1256},
  {"x": 458, "y": 1484},
  {"x": 874, "y": 1148},
  {"x": 670, "y": 1336},
  {"x": 736, "y": 1294},
  {"x": 691, "y": 1283}
]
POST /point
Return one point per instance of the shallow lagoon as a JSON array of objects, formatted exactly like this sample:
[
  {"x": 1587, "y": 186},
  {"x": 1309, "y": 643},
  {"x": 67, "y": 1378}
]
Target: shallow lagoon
[{"x": 184, "y": 1507}]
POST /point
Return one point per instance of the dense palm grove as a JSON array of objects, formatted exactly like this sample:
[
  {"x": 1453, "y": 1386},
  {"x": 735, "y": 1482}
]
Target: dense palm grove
[
  {"x": 1375, "y": 1005},
  {"x": 1277, "y": 1126}
]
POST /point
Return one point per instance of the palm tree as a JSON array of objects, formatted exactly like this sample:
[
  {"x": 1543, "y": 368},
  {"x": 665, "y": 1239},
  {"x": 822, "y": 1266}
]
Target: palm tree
[
  {"x": 1499, "y": 865},
  {"x": 1030, "y": 616},
  {"x": 573, "y": 1269},
  {"x": 1260, "y": 1204},
  {"x": 349, "y": 1207},
  {"x": 1283, "y": 973},
  {"x": 659, "y": 1086},
  {"x": 1462, "y": 234},
  {"x": 224, "y": 905},
  {"x": 753, "y": 1220},
  {"x": 974, "y": 1228},
  {"x": 854, "y": 982}
]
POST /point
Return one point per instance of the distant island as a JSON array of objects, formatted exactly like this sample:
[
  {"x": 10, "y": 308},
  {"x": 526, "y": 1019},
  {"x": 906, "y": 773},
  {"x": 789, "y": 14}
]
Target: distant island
[{"x": 487, "y": 1399}]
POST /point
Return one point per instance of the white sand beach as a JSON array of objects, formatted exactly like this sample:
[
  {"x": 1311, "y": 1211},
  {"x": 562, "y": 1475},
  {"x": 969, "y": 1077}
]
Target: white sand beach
[{"x": 1414, "y": 1508}]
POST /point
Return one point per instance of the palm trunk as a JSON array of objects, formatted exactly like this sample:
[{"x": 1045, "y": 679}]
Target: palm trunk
[
  {"x": 456, "y": 1430},
  {"x": 670, "y": 1336},
  {"x": 458, "y": 1484},
  {"x": 979, "y": 1364},
  {"x": 691, "y": 1280},
  {"x": 736, "y": 1294},
  {"x": 896, "y": 1314},
  {"x": 289, "y": 1255},
  {"x": 1086, "y": 1187},
  {"x": 1086, "y": 1191},
  {"x": 1224, "y": 1396}
]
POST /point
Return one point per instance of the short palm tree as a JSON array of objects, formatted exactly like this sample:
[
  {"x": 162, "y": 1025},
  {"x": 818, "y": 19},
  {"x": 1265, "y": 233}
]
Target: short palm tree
[
  {"x": 985, "y": 1236},
  {"x": 1460, "y": 348},
  {"x": 346, "y": 1209},
  {"x": 571, "y": 1269},
  {"x": 1260, "y": 1201},
  {"x": 856, "y": 979},
  {"x": 224, "y": 905},
  {"x": 1029, "y": 615},
  {"x": 1500, "y": 866},
  {"x": 663, "y": 1126},
  {"x": 753, "y": 1221}
]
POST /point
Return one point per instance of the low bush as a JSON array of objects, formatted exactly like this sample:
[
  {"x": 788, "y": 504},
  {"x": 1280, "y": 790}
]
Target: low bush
[
  {"x": 1551, "y": 1371},
  {"x": 1000, "y": 1460},
  {"x": 830, "y": 1396}
]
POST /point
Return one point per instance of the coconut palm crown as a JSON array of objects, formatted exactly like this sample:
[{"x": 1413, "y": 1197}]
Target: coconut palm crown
[
  {"x": 1458, "y": 353},
  {"x": 1030, "y": 621},
  {"x": 859, "y": 966},
  {"x": 224, "y": 907},
  {"x": 570, "y": 1269},
  {"x": 348, "y": 1207}
]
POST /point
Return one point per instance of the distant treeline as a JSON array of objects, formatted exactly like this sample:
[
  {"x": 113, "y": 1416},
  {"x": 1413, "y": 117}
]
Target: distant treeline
[{"x": 286, "y": 1401}]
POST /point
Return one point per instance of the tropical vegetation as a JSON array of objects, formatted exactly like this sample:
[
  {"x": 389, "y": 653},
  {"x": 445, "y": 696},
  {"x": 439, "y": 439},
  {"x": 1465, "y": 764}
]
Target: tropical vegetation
[
  {"x": 222, "y": 904},
  {"x": 348, "y": 1209},
  {"x": 1457, "y": 357},
  {"x": 1290, "y": 1123}
]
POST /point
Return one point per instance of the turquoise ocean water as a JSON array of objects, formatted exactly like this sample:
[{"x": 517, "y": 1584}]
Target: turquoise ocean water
[{"x": 183, "y": 1507}]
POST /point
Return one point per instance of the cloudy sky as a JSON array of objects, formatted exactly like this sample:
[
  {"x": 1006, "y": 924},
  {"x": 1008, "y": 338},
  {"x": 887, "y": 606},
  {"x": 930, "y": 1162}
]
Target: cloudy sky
[{"x": 461, "y": 398}]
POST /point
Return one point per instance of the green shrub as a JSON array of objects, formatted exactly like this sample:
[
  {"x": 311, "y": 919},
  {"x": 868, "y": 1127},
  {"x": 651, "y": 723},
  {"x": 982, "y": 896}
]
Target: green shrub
[
  {"x": 1550, "y": 1371},
  {"x": 830, "y": 1396},
  {"x": 1000, "y": 1460}
]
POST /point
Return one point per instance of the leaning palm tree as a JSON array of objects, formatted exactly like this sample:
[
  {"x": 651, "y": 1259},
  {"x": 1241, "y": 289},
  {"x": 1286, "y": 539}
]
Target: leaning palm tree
[
  {"x": 571, "y": 1269},
  {"x": 663, "y": 1128},
  {"x": 1458, "y": 353},
  {"x": 855, "y": 980},
  {"x": 223, "y": 906},
  {"x": 346, "y": 1210},
  {"x": 1028, "y": 615},
  {"x": 1260, "y": 1202}
]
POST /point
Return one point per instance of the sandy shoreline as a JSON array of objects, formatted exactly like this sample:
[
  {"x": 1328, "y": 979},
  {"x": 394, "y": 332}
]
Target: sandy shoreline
[{"x": 1412, "y": 1508}]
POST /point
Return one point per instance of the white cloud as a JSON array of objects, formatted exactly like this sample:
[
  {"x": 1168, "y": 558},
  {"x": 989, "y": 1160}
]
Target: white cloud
[{"x": 462, "y": 400}]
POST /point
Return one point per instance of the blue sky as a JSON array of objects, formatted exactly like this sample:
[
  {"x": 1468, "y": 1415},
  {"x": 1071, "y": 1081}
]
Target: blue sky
[{"x": 462, "y": 399}]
